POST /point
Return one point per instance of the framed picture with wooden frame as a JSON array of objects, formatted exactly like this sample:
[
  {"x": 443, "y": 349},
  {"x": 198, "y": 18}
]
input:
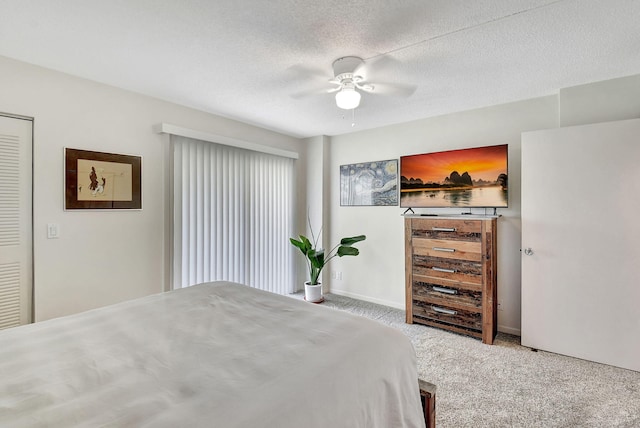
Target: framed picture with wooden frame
[{"x": 102, "y": 181}]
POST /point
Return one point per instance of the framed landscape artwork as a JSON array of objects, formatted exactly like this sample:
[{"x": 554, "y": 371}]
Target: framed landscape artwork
[
  {"x": 369, "y": 183},
  {"x": 96, "y": 180}
]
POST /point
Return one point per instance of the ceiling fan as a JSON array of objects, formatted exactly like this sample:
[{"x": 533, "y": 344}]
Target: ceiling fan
[{"x": 349, "y": 80}]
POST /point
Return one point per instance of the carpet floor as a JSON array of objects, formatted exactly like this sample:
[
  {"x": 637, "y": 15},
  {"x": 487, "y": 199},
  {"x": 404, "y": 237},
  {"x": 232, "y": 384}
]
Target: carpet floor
[{"x": 508, "y": 385}]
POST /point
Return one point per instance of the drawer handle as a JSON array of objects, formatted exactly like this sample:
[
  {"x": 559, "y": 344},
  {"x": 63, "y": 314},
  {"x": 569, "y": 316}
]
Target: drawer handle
[
  {"x": 444, "y": 229},
  {"x": 437, "y": 269},
  {"x": 444, "y": 311},
  {"x": 448, "y": 250},
  {"x": 445, "y": 290}
]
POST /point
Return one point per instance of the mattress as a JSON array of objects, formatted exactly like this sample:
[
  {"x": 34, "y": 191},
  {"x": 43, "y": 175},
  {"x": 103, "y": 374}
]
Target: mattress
[{"x": 213, "y": 355}]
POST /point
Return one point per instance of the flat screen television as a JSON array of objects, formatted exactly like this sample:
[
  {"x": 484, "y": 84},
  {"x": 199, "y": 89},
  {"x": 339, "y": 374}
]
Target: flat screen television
[{"x": 466, "y": 178}]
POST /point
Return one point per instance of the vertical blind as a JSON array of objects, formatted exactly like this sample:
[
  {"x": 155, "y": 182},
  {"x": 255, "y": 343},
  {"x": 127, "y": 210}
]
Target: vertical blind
[{"x": 233, "y": 216}]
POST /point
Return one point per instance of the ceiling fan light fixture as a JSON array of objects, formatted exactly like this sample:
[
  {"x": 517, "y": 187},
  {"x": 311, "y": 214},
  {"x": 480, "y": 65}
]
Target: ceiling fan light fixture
[{"x": 347, "y": 98}]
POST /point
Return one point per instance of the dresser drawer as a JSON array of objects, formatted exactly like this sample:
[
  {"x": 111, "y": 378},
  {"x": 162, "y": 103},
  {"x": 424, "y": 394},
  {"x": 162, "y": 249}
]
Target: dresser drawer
[
  {"x": 451, "y": 269},
  {"x": 450, "y": 230},
  {"x": 448, "y": 316},
  {"x": 463, "y": 250},
  {"x": 451, "y": 296}
]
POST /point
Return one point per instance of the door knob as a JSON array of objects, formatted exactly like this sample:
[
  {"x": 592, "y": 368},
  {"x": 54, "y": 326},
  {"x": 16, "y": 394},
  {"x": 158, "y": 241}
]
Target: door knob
[{"x": 528, "y": 251}]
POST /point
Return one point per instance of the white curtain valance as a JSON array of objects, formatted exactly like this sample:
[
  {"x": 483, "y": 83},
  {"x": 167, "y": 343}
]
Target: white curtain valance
[{"x": 166, "y": 128}]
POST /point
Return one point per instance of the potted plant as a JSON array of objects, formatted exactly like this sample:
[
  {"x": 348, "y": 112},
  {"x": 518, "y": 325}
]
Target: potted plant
[{"x": 317, "y": 259}]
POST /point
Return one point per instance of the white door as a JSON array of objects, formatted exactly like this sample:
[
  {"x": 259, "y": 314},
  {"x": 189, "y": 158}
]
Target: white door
[
  {"x": 16, "y": 272},
  {"x": 581, "y": 242}
]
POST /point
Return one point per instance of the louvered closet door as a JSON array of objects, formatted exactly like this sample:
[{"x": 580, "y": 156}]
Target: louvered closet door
[{"x": 15, "y": 221}]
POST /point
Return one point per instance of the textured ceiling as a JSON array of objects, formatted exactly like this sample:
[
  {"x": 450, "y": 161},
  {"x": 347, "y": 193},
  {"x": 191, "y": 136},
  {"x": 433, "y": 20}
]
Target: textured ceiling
[{"x": 251, "y": 60}]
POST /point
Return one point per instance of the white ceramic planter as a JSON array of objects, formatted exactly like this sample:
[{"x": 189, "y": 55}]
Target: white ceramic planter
[{"x": 313, "y": 293}]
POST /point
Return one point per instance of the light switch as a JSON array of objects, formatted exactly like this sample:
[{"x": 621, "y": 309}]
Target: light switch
[{"x": 53, "y": 231}]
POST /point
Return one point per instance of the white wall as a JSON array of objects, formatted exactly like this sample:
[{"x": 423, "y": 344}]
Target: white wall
[
  {"x": 107, "y": 257},
  {"x": 103, "y": 257},
  {"x": 316, "y": 216},
  {"x": 378, "y": 274},
  {"x": 615, "y": 99}
]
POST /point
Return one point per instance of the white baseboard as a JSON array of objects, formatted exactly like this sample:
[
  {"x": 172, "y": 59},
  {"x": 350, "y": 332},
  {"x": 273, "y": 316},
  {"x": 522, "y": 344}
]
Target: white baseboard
[
  {"x": 367, "y": 298},
  {"x": 509, "y": 330}
]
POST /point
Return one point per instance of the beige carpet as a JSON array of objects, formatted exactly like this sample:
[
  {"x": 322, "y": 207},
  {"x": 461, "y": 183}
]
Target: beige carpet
[{"x": 508, "y": 385}]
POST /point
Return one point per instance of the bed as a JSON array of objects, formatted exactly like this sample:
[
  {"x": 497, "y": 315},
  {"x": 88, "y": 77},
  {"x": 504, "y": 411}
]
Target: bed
[{"x": 213, "y": 355}]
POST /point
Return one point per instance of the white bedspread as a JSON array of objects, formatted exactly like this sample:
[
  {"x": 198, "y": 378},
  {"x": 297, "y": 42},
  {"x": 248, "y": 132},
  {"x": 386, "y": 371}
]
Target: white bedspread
[{"x": 213, "y": 355}]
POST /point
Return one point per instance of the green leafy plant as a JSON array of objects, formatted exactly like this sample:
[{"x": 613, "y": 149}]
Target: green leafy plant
[{"x": 317, "y": 259}]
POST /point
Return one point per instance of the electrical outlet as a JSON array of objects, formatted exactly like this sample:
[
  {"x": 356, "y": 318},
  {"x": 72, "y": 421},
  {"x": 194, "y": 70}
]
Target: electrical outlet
[
  {"x": 500, "y": 305},
  {"x": 339, "y": 276}
]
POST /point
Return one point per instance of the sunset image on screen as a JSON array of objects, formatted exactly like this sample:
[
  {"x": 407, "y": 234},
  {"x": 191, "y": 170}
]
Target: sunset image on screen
[
  {"x": 485, "y": 163},
  {"x": 466, "y": 177}
]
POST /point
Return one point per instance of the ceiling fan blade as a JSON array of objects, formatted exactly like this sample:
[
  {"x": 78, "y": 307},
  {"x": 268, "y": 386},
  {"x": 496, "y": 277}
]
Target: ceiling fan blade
[
  {"x": 395, "y": 89},
  {"x": 365, "y": 87},
  {"x": 311, "y": 80},
  {"x": 383, "y": 63}
]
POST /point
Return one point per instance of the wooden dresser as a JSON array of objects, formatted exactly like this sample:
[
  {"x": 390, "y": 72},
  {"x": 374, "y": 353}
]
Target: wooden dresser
[{"x": 450, "y": 272}]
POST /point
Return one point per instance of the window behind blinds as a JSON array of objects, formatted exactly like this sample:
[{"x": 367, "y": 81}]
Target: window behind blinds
[{"x": 233, "y": 216}]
